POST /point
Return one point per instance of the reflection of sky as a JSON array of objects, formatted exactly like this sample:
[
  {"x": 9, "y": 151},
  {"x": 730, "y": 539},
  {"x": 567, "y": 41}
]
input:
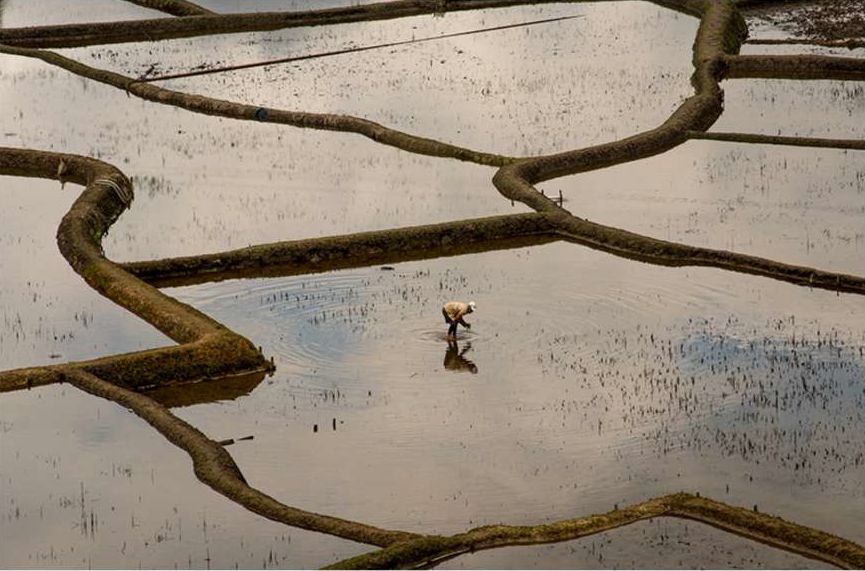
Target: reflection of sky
[
  {"x": 48, "y": 314},
  {"x": 831, "y": 109},
  {"x": 68, "y": 459},
  {"x": 275, "y": 183},
  {"x": 518, "y": 91},
  {"x": 560, "y": 419},
  {"x": 21, "y": 13},
  {"x": 414, "y": 446},
  {"x": 799, "y": 206},
  {"x": 789, "y": 398}
]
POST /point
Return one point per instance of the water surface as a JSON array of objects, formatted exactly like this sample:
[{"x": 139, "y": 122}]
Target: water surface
[{"x": 586, "y": 381}]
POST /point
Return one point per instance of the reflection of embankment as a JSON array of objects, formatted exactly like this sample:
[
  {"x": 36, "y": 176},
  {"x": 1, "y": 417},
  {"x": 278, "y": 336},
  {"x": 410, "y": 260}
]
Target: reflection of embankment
[
  {"x": 216, "y": 468},
  {"x": 430, "y": 550},
  {"x": 214, "y": 390},
  {"x": 208, "y": 349},
  {"x": 466, "y": 237},
  {"x": 300, "y": 257},
  {"x": 721, "y": 32},
  {"x": 232, "y": 110}
]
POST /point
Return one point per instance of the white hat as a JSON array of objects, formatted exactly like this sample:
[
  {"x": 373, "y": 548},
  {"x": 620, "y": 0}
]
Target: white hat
[{"x": 472, "y": 305}]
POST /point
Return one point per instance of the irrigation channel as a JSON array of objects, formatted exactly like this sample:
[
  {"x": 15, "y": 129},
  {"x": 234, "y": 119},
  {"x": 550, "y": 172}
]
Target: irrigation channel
[{"x": 667, "y": 364}]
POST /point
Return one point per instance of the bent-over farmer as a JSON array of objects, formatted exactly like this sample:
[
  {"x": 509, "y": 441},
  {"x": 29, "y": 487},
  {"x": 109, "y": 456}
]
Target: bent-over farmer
[{"x": 454, "y": 311}]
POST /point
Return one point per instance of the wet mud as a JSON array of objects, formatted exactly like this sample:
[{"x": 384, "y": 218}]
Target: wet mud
[
  {"x": 825, "y": 23},
  {"x": 208, "y": 349}
]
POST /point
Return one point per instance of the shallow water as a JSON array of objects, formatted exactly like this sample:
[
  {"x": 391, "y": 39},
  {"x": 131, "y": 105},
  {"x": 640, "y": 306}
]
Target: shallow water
[
  {"x": 85, "y": 483},
  {"x": 519, "y": 91},
  {"x": 798, "y": 205},
  {"x": 22, "y": 13},
  {"x": 599, "y": 381},
  {"x": 586, "y": 381},
  {"x": 830, "y": 109},
  {"x": 48, "y": 313}
]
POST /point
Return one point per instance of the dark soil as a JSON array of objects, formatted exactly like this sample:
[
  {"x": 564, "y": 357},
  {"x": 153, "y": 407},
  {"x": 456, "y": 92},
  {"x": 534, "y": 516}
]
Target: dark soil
[{"x": 830, "y": 20}]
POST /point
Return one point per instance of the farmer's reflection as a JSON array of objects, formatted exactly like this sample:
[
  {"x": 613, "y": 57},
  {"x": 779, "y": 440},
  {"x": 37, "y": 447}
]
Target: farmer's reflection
[{"x": 454, "y": 360}]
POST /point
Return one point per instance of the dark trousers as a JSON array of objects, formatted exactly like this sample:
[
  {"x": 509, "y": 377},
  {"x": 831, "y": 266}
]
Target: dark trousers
[{"x": 452, "y": 330}]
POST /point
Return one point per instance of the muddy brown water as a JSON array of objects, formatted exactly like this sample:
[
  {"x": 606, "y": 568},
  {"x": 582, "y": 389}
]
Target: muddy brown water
[{"x": 599, "y": 381}]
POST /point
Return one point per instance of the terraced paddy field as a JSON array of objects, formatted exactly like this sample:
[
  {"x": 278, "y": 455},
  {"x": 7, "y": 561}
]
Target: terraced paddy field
[{"x": 227, "y": 349}]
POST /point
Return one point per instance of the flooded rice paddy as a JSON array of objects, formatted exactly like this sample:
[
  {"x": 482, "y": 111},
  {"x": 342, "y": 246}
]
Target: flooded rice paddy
[
  {"x": 624, "y": 381},
  {"x": 587, "y": 381}
]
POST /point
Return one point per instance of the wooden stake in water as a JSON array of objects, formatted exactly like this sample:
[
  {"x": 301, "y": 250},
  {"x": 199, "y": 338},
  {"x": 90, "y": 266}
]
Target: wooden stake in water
[{"x": 353, "y": 50}]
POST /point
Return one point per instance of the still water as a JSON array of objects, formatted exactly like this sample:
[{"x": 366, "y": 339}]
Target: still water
[{"x": 586, "y": 381}]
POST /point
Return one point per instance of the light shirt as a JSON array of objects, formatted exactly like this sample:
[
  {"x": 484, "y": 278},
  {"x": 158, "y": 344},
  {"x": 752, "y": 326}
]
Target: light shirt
[{"x": 456, "y": 309}]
